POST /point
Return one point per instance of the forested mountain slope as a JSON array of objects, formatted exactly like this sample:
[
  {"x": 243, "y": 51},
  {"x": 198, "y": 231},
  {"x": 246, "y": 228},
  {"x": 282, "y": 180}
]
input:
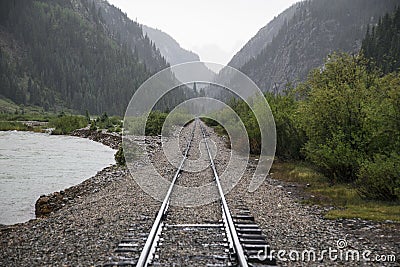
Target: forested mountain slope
[
  {"x": 130, "y": 34},
  {"x": 382, "y": 43},
  {"x": 175, "y": 54},
  {"x": 263, "y": 37},
  {"x": 76, "y": 54},
  {"x": 316, "y": 29},
  {"x": 169, "y": 47}
]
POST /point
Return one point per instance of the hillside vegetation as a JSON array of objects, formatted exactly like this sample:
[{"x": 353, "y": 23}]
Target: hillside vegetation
[
  {"x": 344, "y": 119},
  {"x": 306, "y": 36},
  {"x": 74, "y": 55}
]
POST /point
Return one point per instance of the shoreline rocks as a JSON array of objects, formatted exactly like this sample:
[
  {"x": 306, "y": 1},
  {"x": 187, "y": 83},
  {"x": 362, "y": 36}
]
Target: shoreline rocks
[
  {"x": 47, "y": 204},
  {"x": 112, "y": 140}
]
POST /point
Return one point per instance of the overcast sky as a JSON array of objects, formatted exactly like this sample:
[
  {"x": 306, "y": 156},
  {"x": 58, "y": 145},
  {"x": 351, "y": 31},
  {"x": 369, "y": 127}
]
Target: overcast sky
[{"x": 213, "y": 29}]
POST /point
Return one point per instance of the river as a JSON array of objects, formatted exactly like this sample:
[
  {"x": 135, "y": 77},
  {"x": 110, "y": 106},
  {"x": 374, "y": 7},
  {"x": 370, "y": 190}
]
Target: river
[{"x": 33, "y": 164}]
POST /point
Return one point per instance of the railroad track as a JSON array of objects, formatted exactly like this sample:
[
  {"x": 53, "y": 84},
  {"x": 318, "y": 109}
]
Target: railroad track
[{"x": 216, "y": 237}]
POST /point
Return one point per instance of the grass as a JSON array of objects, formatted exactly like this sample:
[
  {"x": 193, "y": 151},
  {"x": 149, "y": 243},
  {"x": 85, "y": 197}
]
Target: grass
[
  {"x": 13, "y": 112},
  {"x": 64, "y": 123},
  {"x": 370, "y": 211},
  {"x": 13, "y": 125},
  {"x": 27, "y": 116},
  {"x": 344, "y": 197},
  {"x": 15, "y": 121}
]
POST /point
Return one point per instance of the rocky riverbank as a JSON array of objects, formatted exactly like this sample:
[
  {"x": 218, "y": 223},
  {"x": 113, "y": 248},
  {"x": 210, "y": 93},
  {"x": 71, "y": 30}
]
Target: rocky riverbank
[
  {"x": 79, "y": 226},
  {"x": 47, "y": 204},
  {"x": 112, "y": 140}
]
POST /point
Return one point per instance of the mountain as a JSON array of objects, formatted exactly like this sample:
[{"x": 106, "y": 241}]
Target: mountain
[
  {"x": 130, "y": 34},
  {"x": 169, "y": 47},
  {"x": 174, "y": 53},
  {"x": 75, "y": 54},
  {"x": 263, "y": 37},
  {"x": 308, "y": 32}
]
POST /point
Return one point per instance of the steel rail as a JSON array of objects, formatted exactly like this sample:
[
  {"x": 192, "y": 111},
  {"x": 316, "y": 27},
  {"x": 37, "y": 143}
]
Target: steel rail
[
  {"x": 148, "y": 246},
  {"x": 231, "y": 227}
]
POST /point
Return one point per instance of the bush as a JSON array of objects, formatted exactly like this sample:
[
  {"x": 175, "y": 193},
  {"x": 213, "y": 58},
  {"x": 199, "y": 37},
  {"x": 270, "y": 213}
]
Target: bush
[
  {"x": 210, "y": 122},
  {"x": 105, "y": 122},
  {"x": 334, "y": 115},
  {"x": 380, "y": 178},
  {"x": 336, "y": 158},
  {"x": 93, "y": 126},
  {"x": 119, "y": 157},
  {"x": 155, "y": 123},
  {"x": 290, "y": 138},
  {"x": 66, "y": 124}
]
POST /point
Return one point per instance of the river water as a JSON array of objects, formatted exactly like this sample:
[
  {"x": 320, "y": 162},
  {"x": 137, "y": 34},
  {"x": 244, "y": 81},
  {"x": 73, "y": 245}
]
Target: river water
[{"x": 33, "y": 164}]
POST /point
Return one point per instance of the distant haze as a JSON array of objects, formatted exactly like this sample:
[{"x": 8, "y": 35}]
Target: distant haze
[{"x": 214, "y": 29}]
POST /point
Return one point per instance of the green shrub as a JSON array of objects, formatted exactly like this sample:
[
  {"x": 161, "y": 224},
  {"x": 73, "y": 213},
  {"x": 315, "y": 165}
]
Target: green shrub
[
  {"x": 334, "y": 115},
  {"x": 119, "y": 157},
  {"x": 93, "y": 126},
  {"x": 65, "y": 124},
  {"x": 210, "y": 122},
  {"x": 290, "y": 138},
  {"x": 380, "y": 178},
  {"x": 108, "y": 123},
  {"x": 155, "y": 123},
  {"x": 335, "y": 158}
]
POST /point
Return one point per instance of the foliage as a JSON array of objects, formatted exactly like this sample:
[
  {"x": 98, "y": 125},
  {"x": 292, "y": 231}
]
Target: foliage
[
  {"x": 210, "y": 122},
  {"x": 74, "y": 56},
  {"x": 155, "y": 123},
  {"x": 345, "y": 119},
  {"x": 304, "y": 39},
  {"x": 290, "y": 137},
  {"x": 119, "y": 157},
  {"x": 87, "y": 115},
  {"x": 214, "y": 124},
  {"x": 65, "y": 124},
  {"x": 43, "y": 117},
  {"x": 178, "y": 117},
  {"x": 13, "y": 125},
  {"x": 93, "y": 126},
  {"x": 333, "y": 115},
  {"x": 250, "y": 122},
  {"x": 351, "y": 118},
  {"x": 134, "y": 124},
  {"x": 112, "y": 124},
  {"x": 380, "y": 178}
]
